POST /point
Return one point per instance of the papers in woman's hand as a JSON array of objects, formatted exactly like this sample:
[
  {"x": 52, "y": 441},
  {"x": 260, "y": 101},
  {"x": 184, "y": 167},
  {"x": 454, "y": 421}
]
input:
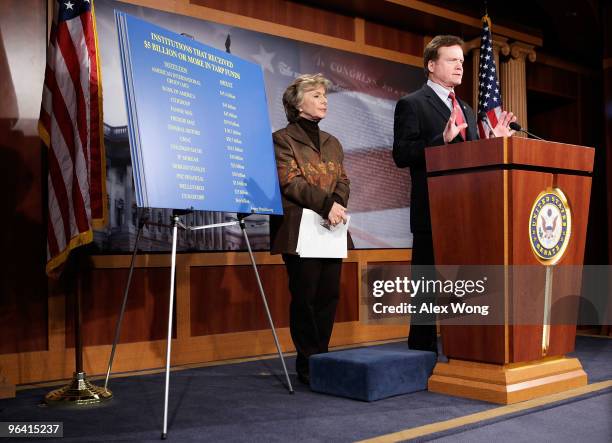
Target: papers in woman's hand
[{"x": 318, "y": 239}]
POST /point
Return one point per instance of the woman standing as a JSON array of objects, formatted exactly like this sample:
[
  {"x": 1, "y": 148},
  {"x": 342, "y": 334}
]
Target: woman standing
[{"x": 312, "y": 176}]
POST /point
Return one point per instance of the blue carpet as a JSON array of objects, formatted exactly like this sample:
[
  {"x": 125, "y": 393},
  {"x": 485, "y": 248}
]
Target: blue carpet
[
  {"x": 578, "y": 421},
  {"x": 595, "y": 354},
  {"x": 248, "y": 402}
]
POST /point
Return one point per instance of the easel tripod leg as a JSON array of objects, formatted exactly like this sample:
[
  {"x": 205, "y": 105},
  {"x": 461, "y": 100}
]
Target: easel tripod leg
[
  {"x": 123, "y": 305},
  {"x": 265, "y": 302},
  {"x": 175, "y": 221}
]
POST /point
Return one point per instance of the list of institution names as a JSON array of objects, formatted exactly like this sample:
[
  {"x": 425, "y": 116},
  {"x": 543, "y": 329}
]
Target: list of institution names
[{"x": 190, "y": 145}]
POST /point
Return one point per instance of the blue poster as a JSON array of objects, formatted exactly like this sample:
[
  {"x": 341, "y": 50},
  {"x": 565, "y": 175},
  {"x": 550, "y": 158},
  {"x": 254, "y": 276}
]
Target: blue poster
[
  {"x": 362, "y": 99},
  {"x": 198, "y": 124}
]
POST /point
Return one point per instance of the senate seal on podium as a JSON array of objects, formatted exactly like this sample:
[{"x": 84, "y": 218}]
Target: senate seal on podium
[{"x": 550, "y": 226}]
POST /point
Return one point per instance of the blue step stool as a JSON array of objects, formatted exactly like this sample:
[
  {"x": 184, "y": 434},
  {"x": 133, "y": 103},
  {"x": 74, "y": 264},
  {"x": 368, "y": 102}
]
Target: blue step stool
[{"x": 371, "y": 373}]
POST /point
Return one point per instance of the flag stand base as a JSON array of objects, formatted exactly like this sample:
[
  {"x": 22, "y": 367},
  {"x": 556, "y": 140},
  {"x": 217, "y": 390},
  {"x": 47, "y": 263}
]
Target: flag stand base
[{"x": 78, "y": 392}]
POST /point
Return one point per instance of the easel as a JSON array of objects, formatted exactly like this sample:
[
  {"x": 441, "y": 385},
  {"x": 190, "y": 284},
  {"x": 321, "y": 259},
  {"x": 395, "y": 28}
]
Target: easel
[{"x": 176, "y": 223}]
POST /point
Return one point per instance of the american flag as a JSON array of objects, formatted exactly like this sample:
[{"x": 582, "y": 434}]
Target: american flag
[
  {"x": 489, "y": 95},
  {"x": 71, "y": 126}
]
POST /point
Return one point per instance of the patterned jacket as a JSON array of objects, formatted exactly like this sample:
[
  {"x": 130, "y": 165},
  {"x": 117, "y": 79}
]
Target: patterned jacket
[{"x": 308, "y": 178}]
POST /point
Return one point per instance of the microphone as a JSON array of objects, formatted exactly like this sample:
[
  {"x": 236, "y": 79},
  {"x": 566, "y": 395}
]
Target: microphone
[{"x": 516, "y": 127}]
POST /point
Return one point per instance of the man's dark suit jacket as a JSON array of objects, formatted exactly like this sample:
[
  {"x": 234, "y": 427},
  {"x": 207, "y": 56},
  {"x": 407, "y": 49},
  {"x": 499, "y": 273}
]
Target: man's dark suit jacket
[{"x": 419, "y": 122}]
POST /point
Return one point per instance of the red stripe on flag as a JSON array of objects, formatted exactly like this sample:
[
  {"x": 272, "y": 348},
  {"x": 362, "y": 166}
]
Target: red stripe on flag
[
  {"x": 62, "y": 117},
  {"x": 492, "y": 118},
  {"x": 481, "y": 130},
  {"x": 61, "y": 194},
  {"x": 69, "y": 52}
]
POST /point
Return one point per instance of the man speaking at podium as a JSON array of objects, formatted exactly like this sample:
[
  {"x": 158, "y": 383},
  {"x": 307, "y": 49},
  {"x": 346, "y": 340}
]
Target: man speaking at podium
[{"x": 433, "y": 116}]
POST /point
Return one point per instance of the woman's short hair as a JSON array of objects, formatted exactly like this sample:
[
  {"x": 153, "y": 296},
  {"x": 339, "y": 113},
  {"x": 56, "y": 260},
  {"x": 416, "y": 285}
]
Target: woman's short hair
[
  {"x": 431, "y": 50},
  {"x": 294, "y": 94}
]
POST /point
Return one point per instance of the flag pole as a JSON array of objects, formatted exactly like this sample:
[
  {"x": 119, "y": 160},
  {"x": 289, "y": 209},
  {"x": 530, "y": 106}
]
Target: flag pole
[{"x": 79, "y": 391}]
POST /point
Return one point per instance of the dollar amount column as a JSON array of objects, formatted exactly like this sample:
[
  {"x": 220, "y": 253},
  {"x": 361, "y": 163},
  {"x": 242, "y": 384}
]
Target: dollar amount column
[{"x": 233, "y": 141}]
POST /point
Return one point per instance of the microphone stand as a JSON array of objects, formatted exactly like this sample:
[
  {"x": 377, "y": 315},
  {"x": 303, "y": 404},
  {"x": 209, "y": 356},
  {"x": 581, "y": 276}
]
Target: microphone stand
[{"x": 516, "y": 127}]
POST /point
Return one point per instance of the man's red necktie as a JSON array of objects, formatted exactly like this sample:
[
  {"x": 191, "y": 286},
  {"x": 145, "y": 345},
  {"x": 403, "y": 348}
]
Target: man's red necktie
[{"x": 459, "y": 120}]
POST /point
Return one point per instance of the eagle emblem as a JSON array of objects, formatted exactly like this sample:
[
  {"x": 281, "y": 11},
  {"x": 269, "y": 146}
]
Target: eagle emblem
[
  {"x": 547, "y": 230},
  {"x": 550, "y": 226}
]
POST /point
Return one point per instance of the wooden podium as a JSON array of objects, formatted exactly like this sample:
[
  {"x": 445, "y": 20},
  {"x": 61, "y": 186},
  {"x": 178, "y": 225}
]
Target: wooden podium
[{"x": 482, "y": 196}]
